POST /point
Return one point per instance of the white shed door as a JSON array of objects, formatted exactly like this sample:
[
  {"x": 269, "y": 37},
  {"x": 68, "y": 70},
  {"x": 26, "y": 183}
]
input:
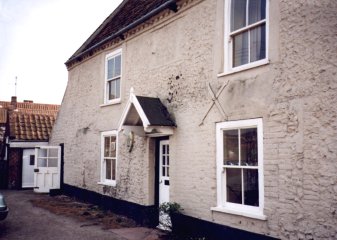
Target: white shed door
[
  {"x": 28, "y": 162},
  {"x": 47, "y": 168}
]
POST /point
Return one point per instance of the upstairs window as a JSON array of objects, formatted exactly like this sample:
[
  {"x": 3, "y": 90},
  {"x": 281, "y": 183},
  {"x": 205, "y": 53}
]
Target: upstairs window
[
  {"x": 246, "y": 33},
  {"x": 113, "y": 77}
]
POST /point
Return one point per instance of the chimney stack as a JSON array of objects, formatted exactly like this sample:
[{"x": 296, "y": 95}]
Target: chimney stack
[{"x": 14, "y": 102}]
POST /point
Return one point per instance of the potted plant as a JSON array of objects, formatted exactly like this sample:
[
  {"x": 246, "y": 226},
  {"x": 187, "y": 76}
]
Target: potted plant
[{"x": 167, "y": 215}]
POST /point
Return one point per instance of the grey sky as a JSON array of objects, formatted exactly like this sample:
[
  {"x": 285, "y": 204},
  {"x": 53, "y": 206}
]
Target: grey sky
[{"x": 37, "y": 37}]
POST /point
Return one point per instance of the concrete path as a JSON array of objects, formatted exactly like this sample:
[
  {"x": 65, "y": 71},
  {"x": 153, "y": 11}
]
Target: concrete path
[{"x": 28, "y": 222}]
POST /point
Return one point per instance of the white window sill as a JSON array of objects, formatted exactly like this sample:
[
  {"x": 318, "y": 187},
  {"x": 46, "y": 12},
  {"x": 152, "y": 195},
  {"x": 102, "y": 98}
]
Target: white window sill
[
  {"x": 244, "y": 67},
  {"x": 235, "y": 212},
  {"x": 111, "y": 184},
  {"x": 117, "y": 101}
]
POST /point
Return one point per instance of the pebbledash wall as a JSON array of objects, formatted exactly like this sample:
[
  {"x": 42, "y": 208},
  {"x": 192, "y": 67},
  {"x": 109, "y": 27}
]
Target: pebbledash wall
[{"x": 175, "y": 58}]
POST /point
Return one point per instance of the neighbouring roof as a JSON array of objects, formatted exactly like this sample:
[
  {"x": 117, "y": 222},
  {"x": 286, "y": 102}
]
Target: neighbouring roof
[
  {"x": 155, "y": 111},
  {"x": 127, "y": 14},
  {"x": 30, "y": 121},
  {"x": 3, "y": 115},
  {"x": 36, "y": 108},
  {"x": 30, "y": 127}
]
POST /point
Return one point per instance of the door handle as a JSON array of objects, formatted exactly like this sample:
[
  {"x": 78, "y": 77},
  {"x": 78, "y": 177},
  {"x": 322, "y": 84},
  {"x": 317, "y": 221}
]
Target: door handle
[{"x": 160, "y": 181}]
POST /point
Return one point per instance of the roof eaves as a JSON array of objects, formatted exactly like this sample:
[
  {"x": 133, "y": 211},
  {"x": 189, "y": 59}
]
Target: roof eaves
[
  {"x": 94, "y": 34},
  {"x": 171, "y": 4}
]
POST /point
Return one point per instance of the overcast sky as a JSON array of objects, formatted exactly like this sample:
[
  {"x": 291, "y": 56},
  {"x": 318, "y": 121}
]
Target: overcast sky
[{"x": 37, "y": 37}]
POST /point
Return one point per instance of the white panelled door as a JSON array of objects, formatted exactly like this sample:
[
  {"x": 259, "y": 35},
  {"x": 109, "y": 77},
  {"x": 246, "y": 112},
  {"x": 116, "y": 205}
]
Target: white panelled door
[
  {"x": 164, "y": 172},
  {"x": 47, "y": 168},
  {"x": 28, "y": 162},
  {"x": 164, "y": 182}
]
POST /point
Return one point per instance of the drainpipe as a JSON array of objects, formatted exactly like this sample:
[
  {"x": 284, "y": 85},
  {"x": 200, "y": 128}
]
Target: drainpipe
[{"x": 172, "y": 5}]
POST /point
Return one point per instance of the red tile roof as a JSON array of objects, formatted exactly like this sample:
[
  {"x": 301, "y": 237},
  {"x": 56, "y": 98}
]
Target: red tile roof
[
  {"x": 30, "y": 121},
  {"x": 128, "y": 12},
  {"x": 24, "y": 126},
  {"x": 3, "y": 115}
]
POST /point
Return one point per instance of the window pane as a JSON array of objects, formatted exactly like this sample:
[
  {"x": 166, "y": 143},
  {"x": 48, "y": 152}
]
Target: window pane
[
  {"x": 249, "y": 147},
  {"x": 163, "y": 173},
  {"x": 52, "y": 162},
  {"x": 113, "y": 169},
  {"x": 108, "y": 168},
  {"x": 42, "y": 153},
  {"x": 234, "y": 187},
  {"x": 106, "y": 146},
  {"x": 258, "y": 43},
  {"x": 117, "y": 66},
  {"x": 168, "y": 160},
  {"x": 112, "y": 152},
  {"x": 257, "y": 10},
  {"x": 112, "y": 89},
  {"x": 251, "y": 187},
  {"x": 53, "y": 152},
  {"x": 231, "y": 147},
  {"x": 240, "y": 49},
  {"x": 118, "y": 82},
  {"x": 110, "y": 72},
  {"x": 42, "y": 162},
  {"x": 168, "y": 171},
  {"x": 238, "y": 14}
]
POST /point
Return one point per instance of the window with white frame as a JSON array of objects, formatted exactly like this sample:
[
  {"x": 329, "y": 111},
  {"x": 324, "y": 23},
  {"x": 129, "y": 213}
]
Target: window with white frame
[
  {"x": 113, "y": 74},
  {"x": 246, "y": 32},
  {"x": 108, "y": 157},
  {"x": 240, "y": 167}
]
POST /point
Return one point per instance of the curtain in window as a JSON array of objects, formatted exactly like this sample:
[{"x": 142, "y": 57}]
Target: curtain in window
[
  {"x": 258, "y": 43},
  {"x": 240, "y": 49}
]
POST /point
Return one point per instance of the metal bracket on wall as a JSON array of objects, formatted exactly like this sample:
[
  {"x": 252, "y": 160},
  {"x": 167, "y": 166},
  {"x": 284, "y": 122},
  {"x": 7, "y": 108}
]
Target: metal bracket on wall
[{"x": 215, "y": 101}]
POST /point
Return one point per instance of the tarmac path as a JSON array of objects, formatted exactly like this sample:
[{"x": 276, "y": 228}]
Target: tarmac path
[{"x": 25, "y": 221}]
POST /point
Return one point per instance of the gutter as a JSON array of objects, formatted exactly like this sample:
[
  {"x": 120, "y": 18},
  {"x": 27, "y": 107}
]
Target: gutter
[{"x": 172, "y": 5}]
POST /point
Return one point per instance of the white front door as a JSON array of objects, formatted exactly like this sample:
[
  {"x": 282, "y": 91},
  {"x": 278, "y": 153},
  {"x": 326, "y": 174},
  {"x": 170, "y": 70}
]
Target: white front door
[
  {"x": 164, "y": 183},
  {"x": 164, "y": 172},
  {"x": 28, "y": 162},
  {"x": 47, "y": 168}
]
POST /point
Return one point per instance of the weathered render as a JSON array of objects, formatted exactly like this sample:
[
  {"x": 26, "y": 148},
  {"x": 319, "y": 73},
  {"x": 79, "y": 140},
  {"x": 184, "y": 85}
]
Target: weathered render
[{"x": 176, "y": 57}]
